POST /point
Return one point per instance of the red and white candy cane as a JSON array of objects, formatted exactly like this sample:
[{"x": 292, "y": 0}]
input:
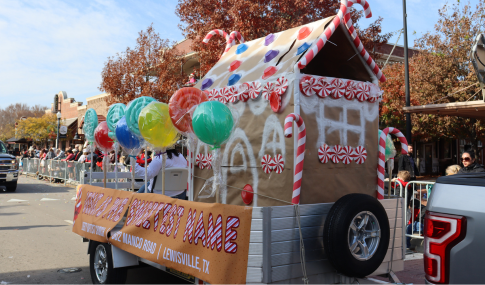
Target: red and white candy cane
[
  {"x": 344, "y": 16},
  {"x": 300, "y": 152},
  {"x": 382, "y": 156},
  {"x": 221, "y": 33},
  {"x": 235, "y": 35}
]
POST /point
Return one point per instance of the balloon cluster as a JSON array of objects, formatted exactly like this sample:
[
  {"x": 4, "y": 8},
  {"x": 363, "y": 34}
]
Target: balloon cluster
[{"x": 145, "y": 121}]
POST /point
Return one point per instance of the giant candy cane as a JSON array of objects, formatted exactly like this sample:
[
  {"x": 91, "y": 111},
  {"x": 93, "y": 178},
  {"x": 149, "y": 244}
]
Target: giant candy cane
[
  {"x": 382, "y": 156},
  {"x": 344, "y": 16},
  {"x": 235, "y": 35},
  {"x": 221, "y": 33},
  {"x": 300, "y": 152}
]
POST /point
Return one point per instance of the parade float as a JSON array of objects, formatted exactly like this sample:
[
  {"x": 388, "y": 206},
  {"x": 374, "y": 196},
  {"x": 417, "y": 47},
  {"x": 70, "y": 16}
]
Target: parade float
[{"x": 286, "y": 168}]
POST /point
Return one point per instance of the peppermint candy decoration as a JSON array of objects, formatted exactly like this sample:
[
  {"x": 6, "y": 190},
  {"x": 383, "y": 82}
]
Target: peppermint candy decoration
[
  {"x": 362, "y": 91},
  {"x": 244, "y": 92},
  {"x": 254, "y": 90},
  {"x": 345, "y": 154},
  {"x": 323, "y": 87},
  {"x": 334, "y": 153},
  {"x": 279, "y": 163},
  {"x": 306, "y": 85},
  {"x": 233, "y": 94},
  {"x": 207, "y": 161},
  {"x": 324, "y": 153},
  {"x": 199, "y": 160},
  {"x": 359, "y": 154},
  {"x": 225, "y": 94},
  {"x": 216, "y": 95},
  {"x": 338, "y": 88},
  {"x": 281, "y": 85},
  {"x": 267, "y": 163},
  {"x": 349, "y": 90},
  {"x": 267, "y": 89}
]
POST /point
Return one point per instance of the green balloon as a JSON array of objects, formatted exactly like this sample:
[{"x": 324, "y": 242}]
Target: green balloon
[
  {"x": 133, "y": 111},
  {"x": 115, "y": 113},
  {"x": 390, "y": 149},
  {"x": 90, "y": 124},
  {"x": 212, "y": 122}
]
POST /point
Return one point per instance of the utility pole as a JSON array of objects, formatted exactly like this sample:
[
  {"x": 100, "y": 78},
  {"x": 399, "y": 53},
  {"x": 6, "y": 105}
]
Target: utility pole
[{"x": 406, "y": 72}]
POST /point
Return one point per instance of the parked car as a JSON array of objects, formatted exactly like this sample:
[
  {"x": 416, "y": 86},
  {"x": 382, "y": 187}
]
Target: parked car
[
  {"x": 454, "y": 230},
  {"x": 9, "y": 169}
]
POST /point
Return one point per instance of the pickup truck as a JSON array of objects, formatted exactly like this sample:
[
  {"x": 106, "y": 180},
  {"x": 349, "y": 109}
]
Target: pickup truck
[
  {"x": 454, "y": 230},
  {"x": 9, "y": 169}
]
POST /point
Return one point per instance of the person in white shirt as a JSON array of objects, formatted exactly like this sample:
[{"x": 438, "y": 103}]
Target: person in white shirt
[{"x": 174, "y": 160}]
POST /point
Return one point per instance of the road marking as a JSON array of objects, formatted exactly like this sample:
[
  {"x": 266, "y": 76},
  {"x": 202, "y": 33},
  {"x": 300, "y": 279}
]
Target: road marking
[
  {"x": 16, "y": 200},
  {"x": 48, "y": 199},
  {"x": 69, "y": 222}
]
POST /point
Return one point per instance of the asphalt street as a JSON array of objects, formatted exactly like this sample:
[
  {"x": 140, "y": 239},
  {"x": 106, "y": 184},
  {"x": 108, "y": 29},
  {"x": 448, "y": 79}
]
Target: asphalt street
[{"x": 36, "y": 240}]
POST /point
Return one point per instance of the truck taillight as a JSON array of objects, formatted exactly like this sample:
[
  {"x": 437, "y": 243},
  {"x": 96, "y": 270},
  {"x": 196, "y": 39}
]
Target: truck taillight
[{"x": 441, "y": 233}]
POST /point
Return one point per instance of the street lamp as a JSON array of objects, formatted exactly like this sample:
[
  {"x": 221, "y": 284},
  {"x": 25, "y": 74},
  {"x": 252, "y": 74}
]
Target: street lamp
[{"x": 58, "y": 125}]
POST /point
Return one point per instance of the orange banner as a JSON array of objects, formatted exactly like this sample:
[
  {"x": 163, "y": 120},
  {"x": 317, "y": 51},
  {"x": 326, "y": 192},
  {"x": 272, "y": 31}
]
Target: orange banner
[
  {"x": 208, "y": 241},
  {"x": 98, "y": 210}
]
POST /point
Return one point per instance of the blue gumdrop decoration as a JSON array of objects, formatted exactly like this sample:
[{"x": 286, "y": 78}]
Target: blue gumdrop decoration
[
  {"x": 233, "y": 79},
  {"x": 207, "y": 83},
  {"x": 270, "y": 55},
  {"x": 302, "y": 48},
  {"x": 241, "y": 48},
  {"x": 125, "y": 137}
]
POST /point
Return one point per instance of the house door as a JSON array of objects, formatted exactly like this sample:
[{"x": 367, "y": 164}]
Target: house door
[{"x": 428, "y": 158}]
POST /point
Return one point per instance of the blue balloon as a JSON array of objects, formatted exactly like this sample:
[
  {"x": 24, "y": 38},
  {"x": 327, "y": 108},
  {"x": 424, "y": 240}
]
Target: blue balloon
[{"x": 125, "y": 137}]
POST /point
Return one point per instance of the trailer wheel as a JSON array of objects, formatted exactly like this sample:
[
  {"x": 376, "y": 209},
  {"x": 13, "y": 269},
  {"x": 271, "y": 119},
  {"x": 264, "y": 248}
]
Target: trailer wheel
[
  {"x": 356, "y": 235},
  {"x": 101, "y": 265}
]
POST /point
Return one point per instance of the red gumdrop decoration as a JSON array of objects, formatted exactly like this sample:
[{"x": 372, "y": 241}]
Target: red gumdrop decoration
[
  {"x": 234, "y": 65},
  {"x": 247, "y": 196},
  {"x": 104, "y": 142},
  {"x": 269, "y": 71},
  {"x": 303, "y": 33},
  {"x": 275, "y": 101}
]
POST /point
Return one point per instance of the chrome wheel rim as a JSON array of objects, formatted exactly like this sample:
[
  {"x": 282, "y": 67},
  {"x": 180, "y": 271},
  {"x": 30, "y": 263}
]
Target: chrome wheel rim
[
  {"x": 364, "y": 235},
  {"x": 101, "y": 264}
]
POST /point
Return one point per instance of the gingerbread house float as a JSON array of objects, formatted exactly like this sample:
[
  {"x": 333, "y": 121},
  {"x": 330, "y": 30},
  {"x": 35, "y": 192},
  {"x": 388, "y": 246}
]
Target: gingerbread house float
[{"x": 321, "y": 72}]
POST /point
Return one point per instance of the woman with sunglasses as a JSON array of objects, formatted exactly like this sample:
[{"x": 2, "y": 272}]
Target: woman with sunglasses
[{"x": 469, "y": 164}]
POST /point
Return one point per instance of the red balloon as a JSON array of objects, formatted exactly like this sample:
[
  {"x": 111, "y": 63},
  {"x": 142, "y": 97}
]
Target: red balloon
[
  {"x": 247, "y": 196},
  {"x": 181, "y": 104},
  {"x": 104, "y": 142}
]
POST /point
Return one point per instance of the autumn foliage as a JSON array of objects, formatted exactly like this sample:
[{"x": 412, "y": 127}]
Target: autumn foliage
[
  {"x": 12, "y": 113},
  {"x": 152, "y": 68},
  {"x": 258, "y": 18},
  {"x": 439, "y": 73},
  {"x": 37, "y": 129}
]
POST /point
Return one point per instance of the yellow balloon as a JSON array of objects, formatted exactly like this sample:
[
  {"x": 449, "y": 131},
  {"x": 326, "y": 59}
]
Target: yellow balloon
[{"x": 156, "y": 126}]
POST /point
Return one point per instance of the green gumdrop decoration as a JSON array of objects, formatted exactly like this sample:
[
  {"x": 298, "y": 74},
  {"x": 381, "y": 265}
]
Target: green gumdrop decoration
[
  {"x": 90, "y": 124},
  {"x": 115, "y": 113},
  {"x": 390, "y": 149},
  {"x": 133, "y": 112},
  {"x": 212, "y": 122}
]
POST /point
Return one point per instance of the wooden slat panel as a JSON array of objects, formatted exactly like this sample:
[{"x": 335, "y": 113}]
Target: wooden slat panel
[
  {"x": 294, "y": 257},
  {"x": 390, "y": 203},
  {"x": 254, "y": 275},
  {"x": 290, "y": 234},
  {"x": 256, "y": 237},
  {"x": 305, "y": 210},
  {"x": 255, "y": 248},
  {"x": 291, "y": 223},
  {"x": 294, "y": 270},
  {"x": 397, "y": 254},
  {"x": 324, "y": 278},
  {"x": 391, "y": 213},
  {"x": 110, "y": 175},
  {"x": 294, "y": 245},
  {"x": 255, "y": 260},
  {"x": 112, "y": 185},
  {"x": 257, "y": 213},
  {"x": 257, "y": 224}
]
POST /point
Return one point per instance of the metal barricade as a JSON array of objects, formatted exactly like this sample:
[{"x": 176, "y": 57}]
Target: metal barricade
[{"x": 414, "y": 213}]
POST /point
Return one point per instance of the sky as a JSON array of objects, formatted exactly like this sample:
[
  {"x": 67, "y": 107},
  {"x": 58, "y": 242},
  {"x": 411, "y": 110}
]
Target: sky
[{"x": 47, "y": 46}]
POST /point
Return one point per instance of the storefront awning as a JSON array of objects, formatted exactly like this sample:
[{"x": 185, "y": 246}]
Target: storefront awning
[
  {"x": 471, "y": 109},
  {"x": 16, "y": 140}
]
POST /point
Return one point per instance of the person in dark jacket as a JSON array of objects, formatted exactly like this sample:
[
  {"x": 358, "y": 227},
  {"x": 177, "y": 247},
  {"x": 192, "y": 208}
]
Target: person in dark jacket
[
  {"x": 469, "y": 164},
  {"x": 406, "y": 162}
]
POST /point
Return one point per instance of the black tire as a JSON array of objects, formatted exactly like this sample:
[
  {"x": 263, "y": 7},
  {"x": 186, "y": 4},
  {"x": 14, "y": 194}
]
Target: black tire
[
  {"x": 11, "y": 186},
  {"x": 337, "y": 235},
  {"x": 113, "y": 275}
]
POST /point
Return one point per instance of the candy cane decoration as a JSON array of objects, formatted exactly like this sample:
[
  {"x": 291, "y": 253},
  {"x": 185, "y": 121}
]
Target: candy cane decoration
[
  {"x": 235, "y": 35},
  {"x": 221, "y": 33},
  {"x": 300, "y": 152},
  {"x": 382, "y": 156},
  {"x": 344, "y": 16}
]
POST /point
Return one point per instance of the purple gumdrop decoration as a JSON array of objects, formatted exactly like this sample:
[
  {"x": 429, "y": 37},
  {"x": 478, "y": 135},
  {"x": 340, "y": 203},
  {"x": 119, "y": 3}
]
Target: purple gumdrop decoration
[
  {"x": 269, "y": 39},
  {"x": 207, "y": 83},
  {"x": 270, "y": 55}
]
